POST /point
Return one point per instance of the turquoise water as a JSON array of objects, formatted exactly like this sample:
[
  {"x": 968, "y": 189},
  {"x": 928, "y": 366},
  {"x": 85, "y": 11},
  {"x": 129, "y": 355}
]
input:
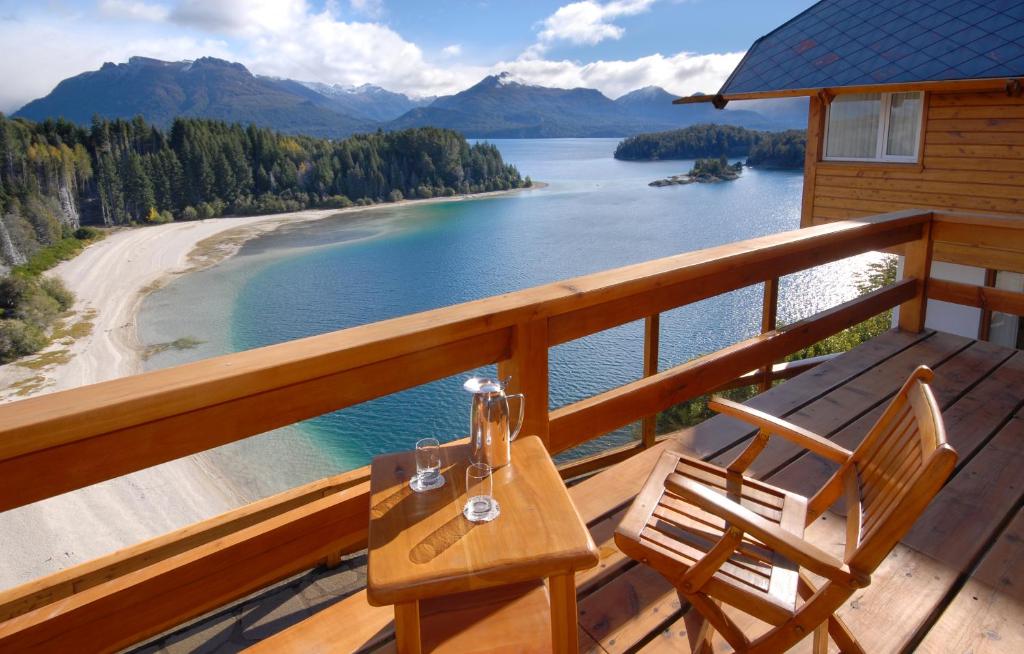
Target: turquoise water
[{"x": 596, "y": 213}]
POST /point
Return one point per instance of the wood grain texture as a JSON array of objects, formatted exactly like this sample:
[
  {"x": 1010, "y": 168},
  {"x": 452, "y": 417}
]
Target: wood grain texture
[
  {"x": 421, "y": 546},
  {"x": 987, "y": 615},
  {"x": 189, "y": 584},
  {"x": 59, "y": 442},
  {"x": 602, "y": 413},
  {"x": 972, "y": 159}
]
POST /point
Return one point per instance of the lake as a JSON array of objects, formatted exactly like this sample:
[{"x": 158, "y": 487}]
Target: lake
[{"x": 596, "y": 213}]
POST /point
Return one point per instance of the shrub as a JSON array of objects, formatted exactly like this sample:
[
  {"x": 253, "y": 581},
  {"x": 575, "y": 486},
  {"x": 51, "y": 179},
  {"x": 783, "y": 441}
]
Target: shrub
[
  {"x": 395, "y": 196},
  {"x": 55, "y": 288},
  {"x": 189, "y": 213},
  {"x": 88, "y": 233},
  {"x": 18, "y": 339}
]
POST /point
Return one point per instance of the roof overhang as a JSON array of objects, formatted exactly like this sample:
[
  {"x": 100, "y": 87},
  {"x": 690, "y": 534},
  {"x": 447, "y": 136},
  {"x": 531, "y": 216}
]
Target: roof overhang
[{"x": 1012, "y": 86}]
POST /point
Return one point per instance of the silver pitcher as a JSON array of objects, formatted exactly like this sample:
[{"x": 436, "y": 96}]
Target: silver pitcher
[{"x": 490, "y": 431}]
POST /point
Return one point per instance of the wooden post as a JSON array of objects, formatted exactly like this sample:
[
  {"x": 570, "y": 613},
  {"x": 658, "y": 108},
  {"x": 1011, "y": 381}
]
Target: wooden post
[
  {"x": 528, "y": 367},
  {"x": 985, "y": 319},
  {"x": 769, "y": 320},
  {"x": 407, "y": 628},
  {"x": 917, "y": 264},
  {"x": 564, "y": 617},
  {"x": 815, "y": 145},
  {"x": 652, "y": 333}
]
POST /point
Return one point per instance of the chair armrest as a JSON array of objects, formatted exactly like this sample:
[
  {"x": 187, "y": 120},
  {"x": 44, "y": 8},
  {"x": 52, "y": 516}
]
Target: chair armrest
[
  {"x": 807, "y": 439},
  {"x": 789, "y": 545}
]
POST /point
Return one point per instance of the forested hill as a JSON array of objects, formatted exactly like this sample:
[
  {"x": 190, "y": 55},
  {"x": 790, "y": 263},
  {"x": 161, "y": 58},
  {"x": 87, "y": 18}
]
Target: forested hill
[
  {"x": 768, "y": 149},
  {"x": 55, "y": 175}
]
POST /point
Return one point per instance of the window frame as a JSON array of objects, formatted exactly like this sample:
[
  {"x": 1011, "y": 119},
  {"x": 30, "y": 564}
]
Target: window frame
[{"x": 885, "y": 106}]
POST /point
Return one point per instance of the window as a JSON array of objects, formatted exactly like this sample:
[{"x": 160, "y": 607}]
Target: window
[{"x": 873, "y": 127}]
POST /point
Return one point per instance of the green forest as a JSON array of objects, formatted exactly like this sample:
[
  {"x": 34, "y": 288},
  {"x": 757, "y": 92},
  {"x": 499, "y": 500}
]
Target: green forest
[
  {"x": 767, "y": 149},
  {"x": 56, "y": 176}
]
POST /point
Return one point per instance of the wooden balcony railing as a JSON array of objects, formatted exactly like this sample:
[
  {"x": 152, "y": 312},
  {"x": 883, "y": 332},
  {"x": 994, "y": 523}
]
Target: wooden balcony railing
[{"x": 60, "y": 442}]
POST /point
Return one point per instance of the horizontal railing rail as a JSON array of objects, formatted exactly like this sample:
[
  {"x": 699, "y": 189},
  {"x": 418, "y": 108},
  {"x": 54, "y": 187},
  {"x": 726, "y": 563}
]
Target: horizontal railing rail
[
  {"x": 62, "y": 441},
  {"x": 67, "y": 440}
]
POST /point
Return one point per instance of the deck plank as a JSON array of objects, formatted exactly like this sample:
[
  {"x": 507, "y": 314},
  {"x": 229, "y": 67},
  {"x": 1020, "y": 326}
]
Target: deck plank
[
  {"x": 968, "y": 372},
  {"x": 623, "y": 612},
  {"x": 987, "y": 614},
  {"x": 843, "y": 405}
]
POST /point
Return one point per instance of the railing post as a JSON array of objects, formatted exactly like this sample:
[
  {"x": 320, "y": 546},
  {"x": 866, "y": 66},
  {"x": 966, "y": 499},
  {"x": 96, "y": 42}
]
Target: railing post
[
  {"x": 917, "y": 264},
  {"x": 985, "y": 319},
  {"x": 528, "y": 367},
  {"x": 652, "y": 329},
  {"x": 769, "y": 320}
]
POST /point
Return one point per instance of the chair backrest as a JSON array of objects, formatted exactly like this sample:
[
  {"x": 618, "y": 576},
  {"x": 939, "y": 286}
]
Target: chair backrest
[{"x": 895, "y": 472}]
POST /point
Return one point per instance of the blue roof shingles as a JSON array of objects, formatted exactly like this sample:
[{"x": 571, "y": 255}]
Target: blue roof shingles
[{"x": 850, "y": 43}]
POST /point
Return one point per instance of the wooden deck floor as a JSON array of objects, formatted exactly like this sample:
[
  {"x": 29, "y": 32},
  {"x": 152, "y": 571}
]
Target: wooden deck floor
[{"x": 955, "y": 583}]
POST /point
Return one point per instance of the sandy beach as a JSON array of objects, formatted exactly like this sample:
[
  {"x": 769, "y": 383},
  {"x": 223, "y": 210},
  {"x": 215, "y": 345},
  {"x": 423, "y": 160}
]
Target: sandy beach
[{"x": 110, "y": 279}]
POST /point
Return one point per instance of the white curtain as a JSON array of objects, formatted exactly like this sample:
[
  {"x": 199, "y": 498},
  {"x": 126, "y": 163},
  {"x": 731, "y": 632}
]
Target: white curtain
[
  {"x": 853, "y": 126},
  {"x": 904, "y": 120}
]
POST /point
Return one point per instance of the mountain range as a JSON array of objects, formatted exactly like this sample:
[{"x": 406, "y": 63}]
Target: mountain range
[{"x": 499, "y": 106}]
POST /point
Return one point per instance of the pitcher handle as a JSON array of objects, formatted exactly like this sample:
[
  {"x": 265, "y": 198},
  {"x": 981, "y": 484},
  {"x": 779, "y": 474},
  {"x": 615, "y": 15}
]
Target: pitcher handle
[{"x": 522, "y": 410}]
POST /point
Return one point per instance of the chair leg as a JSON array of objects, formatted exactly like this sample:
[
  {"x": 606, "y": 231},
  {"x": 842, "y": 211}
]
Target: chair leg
[
  {"x": 843, "y": 637},
  {"x": 700, "y": 632},
  {"x": 820, "y": 644},
  {"x": 712, "y": 611}
]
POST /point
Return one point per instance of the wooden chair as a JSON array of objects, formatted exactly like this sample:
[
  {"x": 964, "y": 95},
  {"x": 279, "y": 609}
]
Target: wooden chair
[{"x": 721, "y": 537}]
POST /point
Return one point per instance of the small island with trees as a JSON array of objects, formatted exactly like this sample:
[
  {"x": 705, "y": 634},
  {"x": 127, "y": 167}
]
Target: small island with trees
[
  {"x": 779, "y": 150},
  {"x": 705, "y": 171}
]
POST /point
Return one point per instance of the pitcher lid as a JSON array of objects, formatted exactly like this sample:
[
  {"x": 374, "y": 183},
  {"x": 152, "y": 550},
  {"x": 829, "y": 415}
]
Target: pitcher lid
[{"x": 482, "y": 385}]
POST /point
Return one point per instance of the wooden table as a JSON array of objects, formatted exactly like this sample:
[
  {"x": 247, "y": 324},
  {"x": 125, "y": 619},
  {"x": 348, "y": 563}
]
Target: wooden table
[{"x": 423, "y": 551}]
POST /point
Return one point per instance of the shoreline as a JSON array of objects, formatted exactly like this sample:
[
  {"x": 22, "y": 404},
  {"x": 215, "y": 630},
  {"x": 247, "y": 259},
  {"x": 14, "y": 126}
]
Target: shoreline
[{"x": 111, "y": 278}]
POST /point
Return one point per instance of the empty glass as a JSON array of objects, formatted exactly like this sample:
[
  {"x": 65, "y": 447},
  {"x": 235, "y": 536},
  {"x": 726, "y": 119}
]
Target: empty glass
[
  {"x": 481, "y": 505},
  {"x": 428, "y": 466}
]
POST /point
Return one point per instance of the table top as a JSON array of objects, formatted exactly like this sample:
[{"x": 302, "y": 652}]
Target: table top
[{"x": 421, "y": 546}]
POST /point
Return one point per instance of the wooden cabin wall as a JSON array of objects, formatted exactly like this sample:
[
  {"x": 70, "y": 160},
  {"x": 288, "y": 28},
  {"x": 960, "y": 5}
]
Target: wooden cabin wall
[{"x": 972, "y": 160}]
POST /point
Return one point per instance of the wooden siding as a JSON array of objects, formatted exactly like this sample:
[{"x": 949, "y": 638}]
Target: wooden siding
[{"x": 972, "y": 159}]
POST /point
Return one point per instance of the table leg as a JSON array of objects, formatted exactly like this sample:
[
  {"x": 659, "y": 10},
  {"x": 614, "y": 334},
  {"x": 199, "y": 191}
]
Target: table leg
[
  {"x": 407, "y": 627},
  {"x": 564, "y": 614}
]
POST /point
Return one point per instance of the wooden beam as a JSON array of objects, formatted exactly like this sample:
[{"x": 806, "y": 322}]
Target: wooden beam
[
  {"x": 126, "y": 610},
  {"x": 50, "y": 469},
  {"x": 812, "y": 157},
  {"x": 718, "y": 270},
  {"x": 983, "y": 297},
  {"x": 602, "y": 413},
  {"x": 947, "y": 86},
  {"x": 528, "y": 368},
  {"x": 58, "y": 442},
  {"x": 45, "y": 590},
  {"x": 780, "y": 371},
  {"x": 652, "y": 329},
  {"x": 769, "y": 320},
  {"x": 603, "y": 459},
  {"x": 985, "y": 319},
  {"x": 917, "y": 265}
]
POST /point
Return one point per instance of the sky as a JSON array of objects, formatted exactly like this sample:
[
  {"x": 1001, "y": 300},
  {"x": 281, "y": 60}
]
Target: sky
[{"x": 417, "y": 47}]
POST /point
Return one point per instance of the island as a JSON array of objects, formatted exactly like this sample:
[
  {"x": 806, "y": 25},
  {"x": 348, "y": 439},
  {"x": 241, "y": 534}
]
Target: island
[
  {"x": 705, "y": 171},
  {"x": 779, "y": 150}
]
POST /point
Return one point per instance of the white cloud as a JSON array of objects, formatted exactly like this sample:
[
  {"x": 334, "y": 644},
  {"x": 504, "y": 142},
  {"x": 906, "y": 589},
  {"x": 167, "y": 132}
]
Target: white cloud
[
  {"x": 681, "y": 74},
  {"x": 585, "y": 23},
  {"x": 371, "y": 8},
  {"x": 244, "y": 18},
  {"x": 288, "y": 38},
  {"x": 53, "y": 49},
  {"x": 133, "y": 10}
]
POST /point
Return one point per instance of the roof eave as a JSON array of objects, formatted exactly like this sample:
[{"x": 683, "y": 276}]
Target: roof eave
[{"x": 1010, "y": 85}]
